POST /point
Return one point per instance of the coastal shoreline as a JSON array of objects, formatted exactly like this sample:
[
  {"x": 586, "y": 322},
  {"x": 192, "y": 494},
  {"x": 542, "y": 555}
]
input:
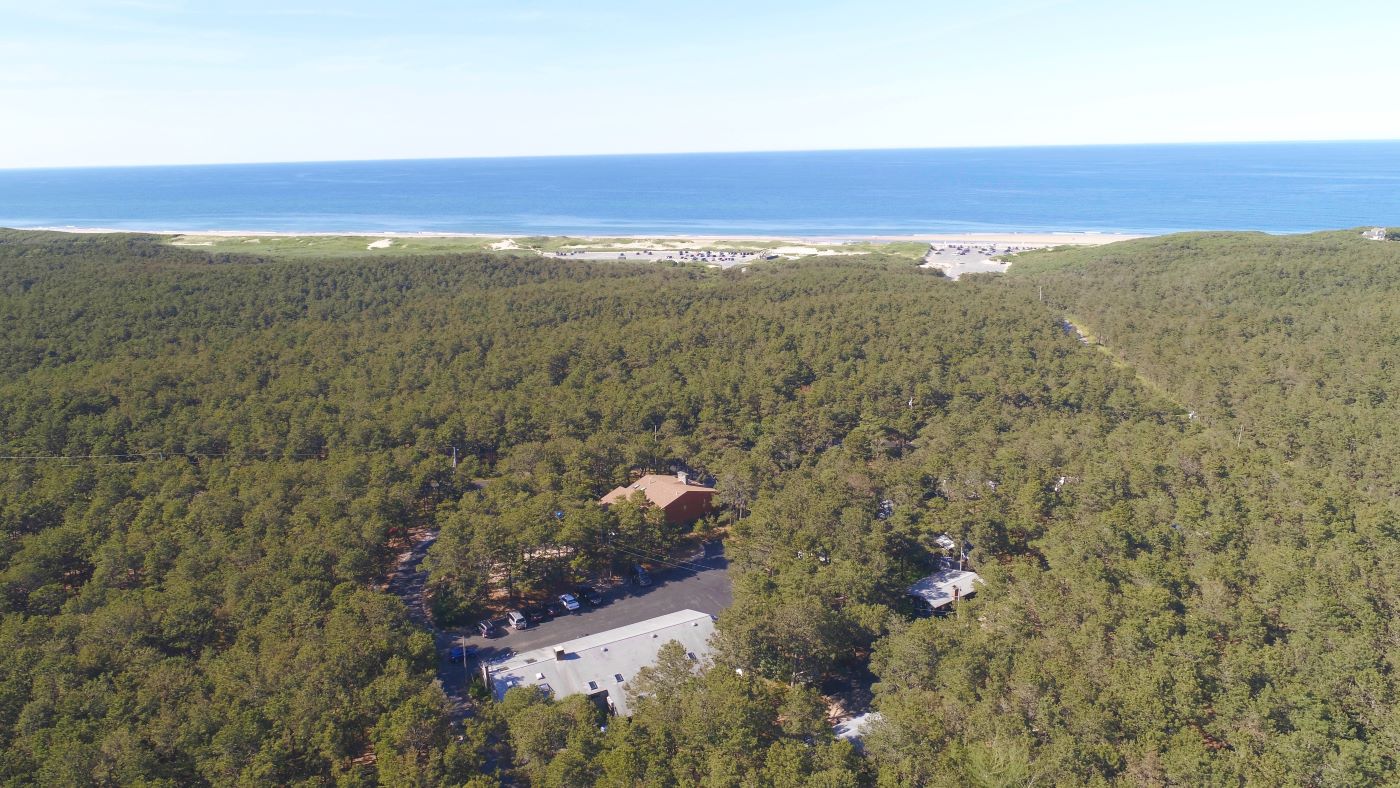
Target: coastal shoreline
[
  {"x": 953, "y": 254},
  {"x": 1037, "y": 238}
]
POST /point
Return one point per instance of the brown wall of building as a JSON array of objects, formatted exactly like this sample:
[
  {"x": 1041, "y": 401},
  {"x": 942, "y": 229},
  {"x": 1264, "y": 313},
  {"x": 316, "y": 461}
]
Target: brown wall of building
[{"x": 689, "y": 507}]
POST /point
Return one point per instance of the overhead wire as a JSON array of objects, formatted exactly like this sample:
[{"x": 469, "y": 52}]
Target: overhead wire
[{"x": 683, "y": 564}]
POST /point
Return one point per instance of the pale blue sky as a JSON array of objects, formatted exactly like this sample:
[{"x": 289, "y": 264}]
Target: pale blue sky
[{"x": 95, "y": 82}]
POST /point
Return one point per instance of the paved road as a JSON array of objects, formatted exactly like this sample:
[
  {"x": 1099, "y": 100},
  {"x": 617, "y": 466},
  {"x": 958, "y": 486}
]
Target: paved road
[
  {"x": 407, "y": 583},
  {"x": 705, "y": 588}
]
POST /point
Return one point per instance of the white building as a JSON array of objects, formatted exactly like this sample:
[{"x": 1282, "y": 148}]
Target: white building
[
  {"x": 946, "y": 586},
  {"x": 854, "y": 729},
  {"x": 601, "y": 665},
  {"x": 1375, "y": 234}
]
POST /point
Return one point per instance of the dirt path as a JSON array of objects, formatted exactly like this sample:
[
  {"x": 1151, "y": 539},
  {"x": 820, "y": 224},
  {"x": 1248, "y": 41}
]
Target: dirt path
[
  {"x": 1071, "y": 323},
  {"x": 408, "y": 583}
]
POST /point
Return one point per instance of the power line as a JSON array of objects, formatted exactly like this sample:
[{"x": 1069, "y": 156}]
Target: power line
[
  {"x": 659, "y": 556},
  {"x": 685, "y": 565},
  {"x": 146, "y": 455},
  {"x": 161, "y": 454},
  {"x": 651, "y": 556},
  {"x": 66, "y": 457},
  {"x": 659, "y": 561}
]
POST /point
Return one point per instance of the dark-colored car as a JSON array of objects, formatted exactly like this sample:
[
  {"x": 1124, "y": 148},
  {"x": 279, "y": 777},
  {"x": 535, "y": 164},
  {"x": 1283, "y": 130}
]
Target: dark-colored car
[
  {"x": 488, "y": 629},
  {"x": 537, "y": 614},
  {"x": 640, "y": 575},
  {"x": 589, "y": 596}
]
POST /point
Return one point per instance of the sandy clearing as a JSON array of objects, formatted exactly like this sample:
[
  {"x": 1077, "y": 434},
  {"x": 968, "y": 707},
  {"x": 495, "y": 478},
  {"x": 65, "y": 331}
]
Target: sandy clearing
[
  {"x": 956, "y": 268},
  {"x": 806, "y": 251},
  {"x": 382, "y": 243},
  {"x": 628, "y": 245}
]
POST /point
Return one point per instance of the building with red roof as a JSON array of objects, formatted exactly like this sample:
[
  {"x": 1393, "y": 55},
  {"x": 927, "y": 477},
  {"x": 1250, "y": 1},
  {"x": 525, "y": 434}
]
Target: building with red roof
[{"x": 681, "y": 499}]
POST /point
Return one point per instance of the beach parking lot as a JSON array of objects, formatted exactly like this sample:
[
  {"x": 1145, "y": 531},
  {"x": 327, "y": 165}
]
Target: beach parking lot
[{"x": 720, "y": 258}]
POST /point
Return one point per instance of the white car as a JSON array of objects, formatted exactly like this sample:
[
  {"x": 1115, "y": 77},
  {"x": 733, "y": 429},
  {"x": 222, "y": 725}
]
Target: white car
[{"x": 567, "y": 600}]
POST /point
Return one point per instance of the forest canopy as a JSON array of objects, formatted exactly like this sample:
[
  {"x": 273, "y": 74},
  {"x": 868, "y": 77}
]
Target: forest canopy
[{"x": 1186, "y": 522}]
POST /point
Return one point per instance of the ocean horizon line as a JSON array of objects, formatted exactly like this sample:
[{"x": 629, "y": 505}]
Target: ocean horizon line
[
  {"x": 1137, "y": 190},
  {"x": 721, "y": 235},
  {"x": 717, "y": 153}
]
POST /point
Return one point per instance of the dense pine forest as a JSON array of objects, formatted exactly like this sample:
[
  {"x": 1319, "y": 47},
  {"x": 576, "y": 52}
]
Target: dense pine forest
[{"x": 1187, "y": 520}]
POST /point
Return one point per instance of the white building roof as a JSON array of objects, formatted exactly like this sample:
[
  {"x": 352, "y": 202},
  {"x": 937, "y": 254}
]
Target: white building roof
[
  {"x": 937, "y": 589},
  {"x": 854, "y": 729},
  {"x": 604, "y": 662}
]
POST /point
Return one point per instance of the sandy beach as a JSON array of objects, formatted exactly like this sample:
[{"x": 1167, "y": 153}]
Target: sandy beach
[
  {"x": 955, "y": 254},
  {"x": 1030, "y": 239}
]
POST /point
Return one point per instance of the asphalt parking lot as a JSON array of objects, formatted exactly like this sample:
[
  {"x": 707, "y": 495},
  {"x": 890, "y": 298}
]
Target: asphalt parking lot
[{"x": 703, "y": 584}]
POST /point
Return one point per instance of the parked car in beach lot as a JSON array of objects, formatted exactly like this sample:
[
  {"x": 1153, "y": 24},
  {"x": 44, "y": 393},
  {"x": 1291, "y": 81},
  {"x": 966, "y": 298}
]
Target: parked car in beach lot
[
  {"x": 640, "y": 576},
  {"x": 537, "y": 614},
  {"x": 569, "y": 602},
  {"x": 488, "y": 629},
  {"x": 518, "y": 620}
]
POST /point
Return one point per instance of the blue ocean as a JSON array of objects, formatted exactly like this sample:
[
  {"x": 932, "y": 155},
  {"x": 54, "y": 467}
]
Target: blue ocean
[{"x": 1276, "y": 187}]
